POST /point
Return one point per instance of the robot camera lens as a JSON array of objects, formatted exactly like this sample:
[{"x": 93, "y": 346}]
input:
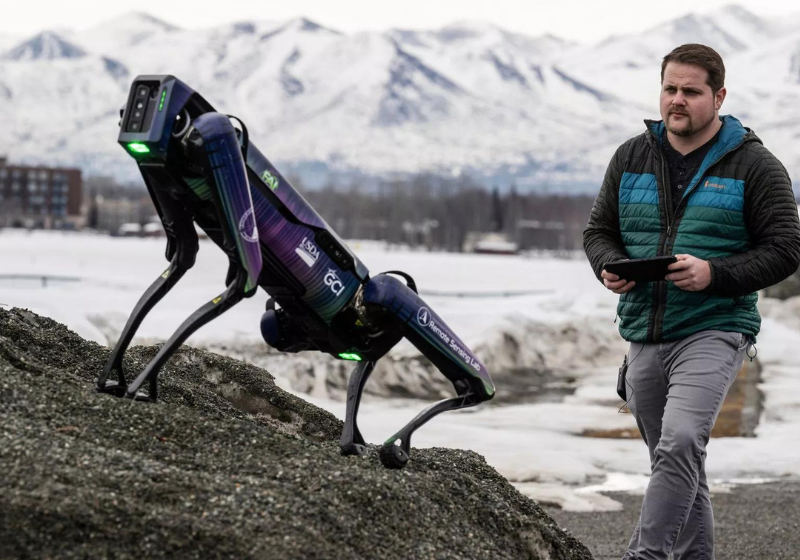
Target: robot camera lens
[
  {"x": 140, "y": 105},
  {"x": 137, "y": 114},
  {"x": 142, "y": 91}
]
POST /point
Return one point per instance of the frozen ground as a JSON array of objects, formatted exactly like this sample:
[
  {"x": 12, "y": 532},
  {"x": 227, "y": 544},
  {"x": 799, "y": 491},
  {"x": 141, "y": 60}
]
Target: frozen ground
[{"x": 556, "y": 313}]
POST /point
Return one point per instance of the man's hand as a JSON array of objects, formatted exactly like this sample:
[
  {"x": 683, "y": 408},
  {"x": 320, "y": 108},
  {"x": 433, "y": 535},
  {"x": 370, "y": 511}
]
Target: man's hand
[
  {"x": 690, "y": 273},
  {"x": 613, "y": 283}
]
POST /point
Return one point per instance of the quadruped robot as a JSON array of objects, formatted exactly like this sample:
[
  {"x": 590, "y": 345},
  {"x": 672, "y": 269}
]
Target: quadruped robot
[{"x": 200, "y": 168}]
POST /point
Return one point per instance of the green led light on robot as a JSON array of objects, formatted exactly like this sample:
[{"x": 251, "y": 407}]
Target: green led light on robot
[
  {"x": 163, "y": 97},
  {"x": 138, "y": 148},
  {"x": 350, "y": 356}
]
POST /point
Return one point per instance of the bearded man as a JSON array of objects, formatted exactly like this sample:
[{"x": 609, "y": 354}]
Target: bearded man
[{"x": 705, "y": 189}]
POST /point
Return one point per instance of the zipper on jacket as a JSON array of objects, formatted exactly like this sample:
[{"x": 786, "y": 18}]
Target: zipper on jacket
[
  {"x": 692, "y": 187},
  {"x": 661, "y": 291},
  {"x": 661, "y": 304}
]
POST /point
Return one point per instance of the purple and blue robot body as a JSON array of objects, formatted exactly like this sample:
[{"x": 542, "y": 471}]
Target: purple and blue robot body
[{"x": 199, "y": 168}]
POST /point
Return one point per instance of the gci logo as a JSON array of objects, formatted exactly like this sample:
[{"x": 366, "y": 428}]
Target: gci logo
[{"x": 332, "y": 279}]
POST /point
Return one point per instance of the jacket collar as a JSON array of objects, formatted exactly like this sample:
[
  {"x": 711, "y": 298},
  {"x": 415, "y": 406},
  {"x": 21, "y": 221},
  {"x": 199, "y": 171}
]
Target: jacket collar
[{"x": 732, "y": 134}]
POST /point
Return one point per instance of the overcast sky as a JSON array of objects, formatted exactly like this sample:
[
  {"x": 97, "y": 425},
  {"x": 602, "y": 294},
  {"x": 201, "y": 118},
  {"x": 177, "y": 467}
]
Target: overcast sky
[{"x": 580, "y": 20}]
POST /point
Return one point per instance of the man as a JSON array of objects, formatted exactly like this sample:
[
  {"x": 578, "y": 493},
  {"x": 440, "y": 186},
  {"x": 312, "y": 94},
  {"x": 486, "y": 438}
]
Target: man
[{"x": 705, "y": 189}]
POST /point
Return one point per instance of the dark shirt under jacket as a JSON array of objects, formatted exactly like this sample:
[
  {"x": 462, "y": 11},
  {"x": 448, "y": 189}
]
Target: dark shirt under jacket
[{"x": 682, "y": 168}]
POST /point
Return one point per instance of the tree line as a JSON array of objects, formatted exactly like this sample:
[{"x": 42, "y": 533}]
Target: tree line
[
  {"x": 424, "y": 210},
  {"x": 438, "y": 213}
]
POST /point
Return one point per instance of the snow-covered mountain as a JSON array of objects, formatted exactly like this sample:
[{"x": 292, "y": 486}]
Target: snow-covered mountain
[
  {"x": 124, "y": 32},
  {"x": 468, "y": 98},
  {"x": 8, "y": 41},
  {"x": 631, "y": 64},
  {"x": 47, "y": 45}
]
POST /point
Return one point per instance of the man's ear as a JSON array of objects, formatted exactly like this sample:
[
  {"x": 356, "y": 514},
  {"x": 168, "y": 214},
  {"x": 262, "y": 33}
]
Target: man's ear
[{"x": 719, "y": 98}]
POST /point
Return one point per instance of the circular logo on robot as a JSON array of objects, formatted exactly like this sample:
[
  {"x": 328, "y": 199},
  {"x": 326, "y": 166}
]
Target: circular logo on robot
[
  {"x": 247, "y": 226},
  {"x": 423, "y": 316}
]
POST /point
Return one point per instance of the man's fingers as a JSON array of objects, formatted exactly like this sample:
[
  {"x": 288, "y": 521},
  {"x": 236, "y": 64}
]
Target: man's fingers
[
  {"x": 626, "y": 288},
  {"x": 608, "y": 275},
  {"x": 684, "y": 261},
  {"x": 614, "y": 285},
  {"x": 677, "y": 277},
  {"x": 689, "y": 284},
  {"x": 680, "y": 265}
]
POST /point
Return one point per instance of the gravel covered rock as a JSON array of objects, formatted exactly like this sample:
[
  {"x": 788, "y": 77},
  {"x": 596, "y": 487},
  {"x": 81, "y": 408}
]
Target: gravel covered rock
[{"x": 226, "y": 464}]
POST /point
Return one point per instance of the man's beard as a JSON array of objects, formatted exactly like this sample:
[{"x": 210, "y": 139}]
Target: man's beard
[{"x": 688, "y": 129}]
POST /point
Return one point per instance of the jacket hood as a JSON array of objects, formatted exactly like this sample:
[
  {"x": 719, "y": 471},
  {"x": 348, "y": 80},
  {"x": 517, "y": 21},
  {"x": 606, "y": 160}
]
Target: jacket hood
[{"x": 733, "y": 133}]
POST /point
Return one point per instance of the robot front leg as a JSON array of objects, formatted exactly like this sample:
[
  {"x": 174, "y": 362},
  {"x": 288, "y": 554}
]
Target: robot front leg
[
  {"x": 352, "y": 442},
  {"x": 182, "y": 246},
  {"x": 149, "y": 299},
  {"x": 212, "y": 142},
  {"x": 395, "y": 450},
  {"x": 214, "y": 308},
  {"x": 388, "y": 304}
]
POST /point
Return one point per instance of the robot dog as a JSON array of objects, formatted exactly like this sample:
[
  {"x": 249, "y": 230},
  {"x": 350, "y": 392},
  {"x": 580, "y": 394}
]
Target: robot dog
[{"x": 200, "y": 168}]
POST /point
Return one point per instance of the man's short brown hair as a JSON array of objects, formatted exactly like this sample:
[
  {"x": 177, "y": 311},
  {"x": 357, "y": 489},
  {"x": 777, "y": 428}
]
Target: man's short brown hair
[{"x": 702, "y": 56}]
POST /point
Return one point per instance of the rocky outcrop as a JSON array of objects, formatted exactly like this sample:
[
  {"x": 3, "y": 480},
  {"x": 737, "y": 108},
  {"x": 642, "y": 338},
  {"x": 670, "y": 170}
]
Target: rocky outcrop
[
  {"x": 226, "y": 464},
  {"x": 521, "y": 355}
]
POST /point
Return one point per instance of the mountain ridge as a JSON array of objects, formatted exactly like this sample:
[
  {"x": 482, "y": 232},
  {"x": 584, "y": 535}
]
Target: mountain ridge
[{"x": 469, "y": 98}]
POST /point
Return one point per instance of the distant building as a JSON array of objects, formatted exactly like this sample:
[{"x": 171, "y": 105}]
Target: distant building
[
  {"x": 45, "y": 197},
  {"x": 494, "y": 243},
  {"x": 553, "y": 235},
  {"x": 115, "y": 215},
  {"x": 130, "y": 229}
]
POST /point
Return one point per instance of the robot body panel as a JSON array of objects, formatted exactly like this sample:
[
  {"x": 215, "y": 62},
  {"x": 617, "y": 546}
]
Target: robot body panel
[
  {"x": 226, "y": 166},
  {"x": 427, "y": 331},
  {"x": 327, "y": 287},
  {"x": 299, "y": 210}
]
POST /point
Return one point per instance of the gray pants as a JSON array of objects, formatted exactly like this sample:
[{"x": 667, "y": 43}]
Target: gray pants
[{"x": 676, "y": 390}]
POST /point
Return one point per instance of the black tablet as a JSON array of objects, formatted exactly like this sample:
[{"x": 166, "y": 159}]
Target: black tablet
[{"x": 641, "y": 270}]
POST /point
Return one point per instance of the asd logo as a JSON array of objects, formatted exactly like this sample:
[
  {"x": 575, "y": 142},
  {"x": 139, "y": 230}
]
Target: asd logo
[
  {"x": 332, "y": 279},
  {"x": 423, "y": 316},
  {"x": 308, "y": 252},
  {"x": 247, "y": 227}
]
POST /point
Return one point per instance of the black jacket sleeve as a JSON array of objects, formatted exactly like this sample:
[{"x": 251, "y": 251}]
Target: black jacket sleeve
[
  {"x": 602, "y": 240},
  {"x": 770, "y": 214}
]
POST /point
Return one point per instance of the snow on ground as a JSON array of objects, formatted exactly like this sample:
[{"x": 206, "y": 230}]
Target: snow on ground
[{"x": 535, "y": 445}]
